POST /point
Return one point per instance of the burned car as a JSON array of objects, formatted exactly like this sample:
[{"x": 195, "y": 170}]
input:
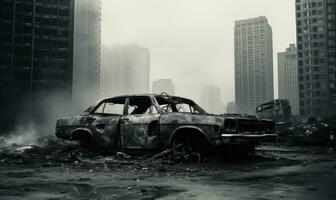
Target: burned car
[{"x": 156, "y": 122}]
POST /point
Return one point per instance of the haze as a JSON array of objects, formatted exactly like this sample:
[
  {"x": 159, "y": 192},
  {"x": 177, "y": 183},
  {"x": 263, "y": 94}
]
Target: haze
[{"x": 191, "y": 41}]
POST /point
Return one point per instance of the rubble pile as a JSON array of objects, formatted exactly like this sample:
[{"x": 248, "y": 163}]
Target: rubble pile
[
  {"x": 53, "y": 153},
  {"x": 310, "y": 131}
]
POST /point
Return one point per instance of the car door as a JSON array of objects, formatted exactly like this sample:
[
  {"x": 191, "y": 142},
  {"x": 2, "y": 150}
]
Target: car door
[
  {"x": 139, "y": 126},
  {"x": 105, "y": 122}
]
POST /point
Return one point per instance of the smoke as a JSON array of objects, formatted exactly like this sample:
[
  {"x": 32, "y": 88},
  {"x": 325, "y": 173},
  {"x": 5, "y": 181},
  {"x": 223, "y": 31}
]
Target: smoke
[
  {"x": 35, "y": 119},
  {"x": 23, "y": 134}
]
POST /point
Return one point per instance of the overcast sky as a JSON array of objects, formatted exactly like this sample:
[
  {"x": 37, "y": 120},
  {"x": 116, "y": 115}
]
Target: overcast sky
[{"x": 191, "y": 41}]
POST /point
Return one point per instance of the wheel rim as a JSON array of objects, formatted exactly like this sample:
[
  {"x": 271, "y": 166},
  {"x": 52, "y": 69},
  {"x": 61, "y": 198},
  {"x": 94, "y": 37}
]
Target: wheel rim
[{"x": 179, "y": 151}]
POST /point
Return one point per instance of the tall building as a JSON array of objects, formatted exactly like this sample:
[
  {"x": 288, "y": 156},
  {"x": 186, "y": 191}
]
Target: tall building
[
  {"x": 163, "y": 85},
  {"x": 288, "y": 77},
  {"x": 253, "y": 52},
  {"x": 211, "y": 100},
  {"x": 86, "y": 61},
  {"x": 231, "y": 107},
  {"x": 36, "y": 39},
  {"x": 126, "y": 70},
  {"x": 315, "y": 34}
]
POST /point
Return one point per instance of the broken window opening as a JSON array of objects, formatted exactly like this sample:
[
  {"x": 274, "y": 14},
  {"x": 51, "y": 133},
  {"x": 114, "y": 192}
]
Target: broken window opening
[{"x": 140, "y": 105}]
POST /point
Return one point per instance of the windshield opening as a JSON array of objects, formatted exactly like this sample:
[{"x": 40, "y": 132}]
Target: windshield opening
[{"x": 170, "y": 104}]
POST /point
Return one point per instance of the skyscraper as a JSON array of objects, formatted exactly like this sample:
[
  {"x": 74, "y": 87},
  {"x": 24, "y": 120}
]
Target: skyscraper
[
  {"x": 288, "y": 77},
  {"x": 87, "y": 36},
  {"x": 126, "y": 70},
  {"x": 315, "y": 34},
  {"x": 211, "y": 100},
  {"x": 163, "y": 85},
  {"x": 253, "y": 52},
  {"x": 36, "y": 39}
]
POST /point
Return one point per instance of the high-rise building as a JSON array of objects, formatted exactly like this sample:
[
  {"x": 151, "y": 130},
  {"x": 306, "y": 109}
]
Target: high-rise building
[
  {"x": 86, "y": 61},
  {"x": 36, "y": 39},
  {"x": 126, "y": 70},
  {"x": 253, "y": 52},
  {"x": 211, "y": 100},
  {"x": 288, "y": 77},
  {"x": 315, "y": 34},
  {"x": 163, "y": 85},
  {"x": 231, "y": 107}
]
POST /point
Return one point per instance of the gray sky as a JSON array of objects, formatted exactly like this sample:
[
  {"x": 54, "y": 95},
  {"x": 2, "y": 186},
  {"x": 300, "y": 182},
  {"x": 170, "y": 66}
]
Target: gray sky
[{"x": 191, "y": 41}]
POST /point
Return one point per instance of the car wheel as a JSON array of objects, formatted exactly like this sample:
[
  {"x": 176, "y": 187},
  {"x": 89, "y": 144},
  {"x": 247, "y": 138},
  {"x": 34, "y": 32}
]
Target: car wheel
[
  {"x": 186, "y": 151},
  {"x": 86, "y": 142},
  {"x": 180, "y": 151}
]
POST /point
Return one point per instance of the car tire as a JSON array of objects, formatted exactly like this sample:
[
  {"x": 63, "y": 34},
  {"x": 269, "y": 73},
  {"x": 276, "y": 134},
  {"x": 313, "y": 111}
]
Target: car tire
[{"x": 189, "y": 149}]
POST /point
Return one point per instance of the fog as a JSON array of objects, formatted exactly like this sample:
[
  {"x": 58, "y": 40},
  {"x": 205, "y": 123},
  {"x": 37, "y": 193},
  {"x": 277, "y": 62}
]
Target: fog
[{"x": 191, "y": 41}]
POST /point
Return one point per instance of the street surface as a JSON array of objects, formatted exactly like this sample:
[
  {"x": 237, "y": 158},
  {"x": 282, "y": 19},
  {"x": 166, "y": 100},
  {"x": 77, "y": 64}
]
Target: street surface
[{"x": 274, "y": 172}]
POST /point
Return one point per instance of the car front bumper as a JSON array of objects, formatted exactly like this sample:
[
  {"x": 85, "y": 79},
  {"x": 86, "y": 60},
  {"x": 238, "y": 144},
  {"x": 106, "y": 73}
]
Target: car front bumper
[{"x": 247, "y": 138}]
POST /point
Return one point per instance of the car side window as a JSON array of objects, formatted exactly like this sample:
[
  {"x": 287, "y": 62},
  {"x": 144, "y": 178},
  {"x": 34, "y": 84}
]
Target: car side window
[
  {"x": 111, "y": 107},
  {"x": 140, "y": 105}
]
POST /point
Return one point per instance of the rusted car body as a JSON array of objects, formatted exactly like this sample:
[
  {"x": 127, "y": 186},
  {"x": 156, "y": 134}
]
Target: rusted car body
[{"x": 156, "y": 122}]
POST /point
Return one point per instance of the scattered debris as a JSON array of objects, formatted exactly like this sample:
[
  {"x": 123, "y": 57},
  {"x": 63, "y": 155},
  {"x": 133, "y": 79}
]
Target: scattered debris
[
  {"x": 310, "y": 131},
  {"x": 122, "y": 155},
  {"x": 166, "y": 152}
]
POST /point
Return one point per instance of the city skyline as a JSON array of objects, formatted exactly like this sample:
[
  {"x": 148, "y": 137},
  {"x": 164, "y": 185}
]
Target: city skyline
[
  {"x": 86, "y": 62},
  {"x": 197, "y": 40}
]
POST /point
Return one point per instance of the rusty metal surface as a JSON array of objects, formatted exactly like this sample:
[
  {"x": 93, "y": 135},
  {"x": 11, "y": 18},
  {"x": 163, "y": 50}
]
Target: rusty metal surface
[{"x": 149, "y": 131}]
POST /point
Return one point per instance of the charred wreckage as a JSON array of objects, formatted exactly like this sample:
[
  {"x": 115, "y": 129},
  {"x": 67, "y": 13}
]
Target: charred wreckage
[{"x": 138, "y": 123}]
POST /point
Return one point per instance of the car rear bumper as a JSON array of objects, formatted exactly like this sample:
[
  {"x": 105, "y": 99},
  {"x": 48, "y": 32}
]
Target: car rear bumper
[{"x": 247, "y": 138}]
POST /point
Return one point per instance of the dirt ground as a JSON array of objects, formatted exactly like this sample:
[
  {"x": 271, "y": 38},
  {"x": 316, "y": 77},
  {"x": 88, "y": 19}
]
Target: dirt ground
[{"x": 274, "y": 172}]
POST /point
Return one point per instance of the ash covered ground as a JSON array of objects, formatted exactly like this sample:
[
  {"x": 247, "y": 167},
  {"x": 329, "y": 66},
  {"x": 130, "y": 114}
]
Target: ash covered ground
[{"x": 57, "y": 170}]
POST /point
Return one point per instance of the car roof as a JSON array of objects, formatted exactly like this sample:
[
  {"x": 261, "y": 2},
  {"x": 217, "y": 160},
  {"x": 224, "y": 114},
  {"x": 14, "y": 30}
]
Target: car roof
[{"x": 141, "y": 95}]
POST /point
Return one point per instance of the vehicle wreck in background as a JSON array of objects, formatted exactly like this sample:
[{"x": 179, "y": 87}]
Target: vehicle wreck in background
[
  {"x": 157, "y": 122},
  {"x": 277, "y": 110}
]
